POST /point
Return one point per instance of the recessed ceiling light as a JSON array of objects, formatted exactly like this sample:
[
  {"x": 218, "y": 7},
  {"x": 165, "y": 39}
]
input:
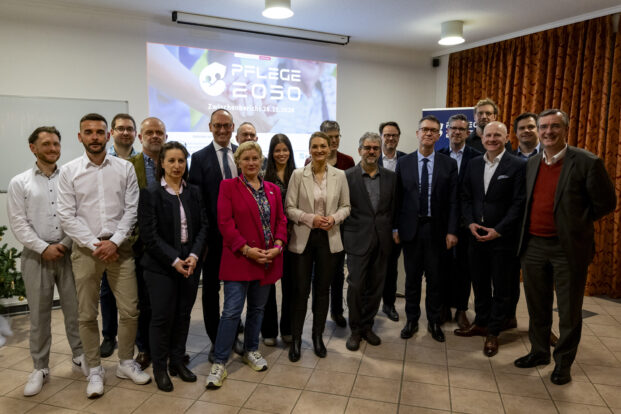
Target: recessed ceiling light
[{"x": 277, "y": 9}]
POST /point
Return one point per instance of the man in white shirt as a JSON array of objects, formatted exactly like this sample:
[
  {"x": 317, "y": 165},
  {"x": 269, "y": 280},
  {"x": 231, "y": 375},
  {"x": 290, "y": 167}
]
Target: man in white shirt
[
  {"x": 97, "y": 206},
  {"x": 45, "y": 259}
]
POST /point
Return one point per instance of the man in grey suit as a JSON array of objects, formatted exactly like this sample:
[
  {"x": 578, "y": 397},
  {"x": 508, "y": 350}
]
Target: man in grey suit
[
  {"x": 367, "y": 238},
  {"x": 567, "y": 189}
]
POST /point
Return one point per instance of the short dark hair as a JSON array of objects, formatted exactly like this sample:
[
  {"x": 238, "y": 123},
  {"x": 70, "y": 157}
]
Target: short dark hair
[
  {"x": 457, "y": 117},
  {"x": 431, "y": 118},
  {"x": 487, "y": 101},
  {"x": 329, "y": 126},
  {"x": 318, "y": 134},
  {"x": 166, "y": 147},
  {"x": 35, "y": 134},
  {"x": 389, "y": 123},
  {"x": 524, "y": 115},
  {"x": 555, "y": 111},
  {"x": 122, "y": 116},
  {"x": 93, "y": 117},
  {"x": 270, "y": 169}
]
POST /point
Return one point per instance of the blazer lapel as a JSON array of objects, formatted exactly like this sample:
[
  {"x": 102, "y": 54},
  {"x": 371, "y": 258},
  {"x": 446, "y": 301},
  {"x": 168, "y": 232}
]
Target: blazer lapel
[
  {"x": 330, "y": 190},
  {"x": 362, "y": 189},
  {"x": 502, "y": 166},
  {"x": 532, "y": 168},
  {"x": 251, "y": 202},
  {"x": 307, "y": 182},
  {"x": 568, "y": 164},
  {"x": 213, "y": 161}
]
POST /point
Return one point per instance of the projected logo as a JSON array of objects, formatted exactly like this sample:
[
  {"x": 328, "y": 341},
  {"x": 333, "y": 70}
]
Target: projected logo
[{"x": 211, "y": 79}]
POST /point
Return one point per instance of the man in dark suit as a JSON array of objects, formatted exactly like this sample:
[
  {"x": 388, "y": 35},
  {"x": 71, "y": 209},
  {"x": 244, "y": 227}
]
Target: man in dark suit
[
  {"x": 485, "y": 111},
  {"x": 492, "y": 201},
  {"x": 209, "y": 166},
  {"x": 390, "y": 133},
  {"x": 367, "y": 238},
  {"x": 567, "y": 189},
  {"x": 455, "y": 267},
  {"x": 426, "y": 224}
]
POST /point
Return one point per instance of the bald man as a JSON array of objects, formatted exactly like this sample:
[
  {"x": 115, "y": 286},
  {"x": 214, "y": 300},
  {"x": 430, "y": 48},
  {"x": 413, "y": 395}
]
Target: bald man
[{"x": 492, "y": 205}]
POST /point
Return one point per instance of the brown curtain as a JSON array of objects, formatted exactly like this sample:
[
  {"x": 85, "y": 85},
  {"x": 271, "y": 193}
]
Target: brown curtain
[{"x": 576, "y": 68}]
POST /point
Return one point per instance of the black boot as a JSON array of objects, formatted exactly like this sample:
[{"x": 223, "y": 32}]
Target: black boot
[
  {"x": 320, "y": 348},
  {"x": 162, "y": 380},
  {"x": 182, "y": 371},
  {"x": 295, "y": 349}
]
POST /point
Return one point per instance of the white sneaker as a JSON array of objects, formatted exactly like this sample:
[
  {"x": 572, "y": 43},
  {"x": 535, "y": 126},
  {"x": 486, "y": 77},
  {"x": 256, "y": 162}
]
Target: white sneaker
[
  {"x": 129, "y": 368},
  {"x": 255, "y": 360},
  {"x": 95, "y": 387},
  {"x": 216, "y": 376},
  {"x": 79, "y": 364},
  {"x": 36, "y": 379}
]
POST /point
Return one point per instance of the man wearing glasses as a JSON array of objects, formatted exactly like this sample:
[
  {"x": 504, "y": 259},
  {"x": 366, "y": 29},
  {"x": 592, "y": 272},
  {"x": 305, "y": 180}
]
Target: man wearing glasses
[
  {"x": 485, "y": 111},
  {"x": 457, "y": 291},
  {"x": 426, "y": 224}
]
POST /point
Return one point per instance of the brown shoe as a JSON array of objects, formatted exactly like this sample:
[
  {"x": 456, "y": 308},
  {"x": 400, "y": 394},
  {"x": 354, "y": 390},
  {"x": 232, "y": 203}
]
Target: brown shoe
[
  {"x": 491, "y": 346},
  {"x": 462, "y": 319},
  {"x": 473, "y": 330},
  {"x": 553, "y": 340},
  {"x": 143, "y": 359},
  {"x": 509, "y": 324}
]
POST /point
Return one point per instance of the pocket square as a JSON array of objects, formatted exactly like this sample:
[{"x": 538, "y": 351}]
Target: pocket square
[{"x": 502, "y": 177}]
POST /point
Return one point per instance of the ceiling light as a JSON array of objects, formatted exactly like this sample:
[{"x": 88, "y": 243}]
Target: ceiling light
[
  {"x": 452, "y": 33},
  {"x": 277, "y": 9}
]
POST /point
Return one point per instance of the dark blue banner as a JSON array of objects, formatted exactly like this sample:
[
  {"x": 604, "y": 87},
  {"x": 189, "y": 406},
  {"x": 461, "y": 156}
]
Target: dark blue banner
[{"x": 443, "y": 114}]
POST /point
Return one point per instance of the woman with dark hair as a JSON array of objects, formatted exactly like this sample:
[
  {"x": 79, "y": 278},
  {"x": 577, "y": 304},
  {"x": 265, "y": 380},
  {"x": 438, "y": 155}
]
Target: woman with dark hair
[
  {"x": 173, "y": 226},
  {"x": 317, "y": 203},
  {"x": 280, "y": 166}
]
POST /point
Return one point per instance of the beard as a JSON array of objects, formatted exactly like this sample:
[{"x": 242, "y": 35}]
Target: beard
[{"x": 94, "y": 150}]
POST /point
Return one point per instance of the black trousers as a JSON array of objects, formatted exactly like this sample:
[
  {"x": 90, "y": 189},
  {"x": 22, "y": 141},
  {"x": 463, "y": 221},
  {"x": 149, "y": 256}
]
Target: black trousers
[
  {"x": 211, "y": 289},
  {"x": 422, "y": 255},
  {"x": 390, "y": 284},
  {"x": 488, "y": 266},
  {"x": 514, "y": 286},
  {"x": 365, "y": 284},
  {"x": 336, "y": 287},
  {"x": 546, "y": 269},
  {"x": 269, "y": 328},
  {"x": 172, "y": 299},
  {"x": 317, "y": 252},
  {"x": 456, "y": 273}
]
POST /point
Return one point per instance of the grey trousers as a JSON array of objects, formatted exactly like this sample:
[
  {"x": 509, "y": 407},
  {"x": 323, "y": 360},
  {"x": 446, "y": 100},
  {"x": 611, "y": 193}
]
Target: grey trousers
[{"x": 39, "y": 279}]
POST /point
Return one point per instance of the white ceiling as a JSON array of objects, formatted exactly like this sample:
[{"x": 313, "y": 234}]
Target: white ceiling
[{"x": 411, "y": 24}]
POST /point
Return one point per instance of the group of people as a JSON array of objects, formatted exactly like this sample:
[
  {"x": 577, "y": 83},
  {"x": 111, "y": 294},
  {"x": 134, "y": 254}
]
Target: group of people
[{"x": 137, "y": 235}]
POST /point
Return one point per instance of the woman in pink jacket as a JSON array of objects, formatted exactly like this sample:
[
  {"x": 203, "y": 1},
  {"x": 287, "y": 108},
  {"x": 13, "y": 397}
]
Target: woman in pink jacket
[{"x": 254, "y": 230}]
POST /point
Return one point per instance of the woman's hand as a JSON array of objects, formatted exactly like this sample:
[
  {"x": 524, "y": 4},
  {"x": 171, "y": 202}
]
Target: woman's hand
[
  {"x": 258, "y": 255},
  {"x": 328, "y": 223},
  {"x": 272, "y": 253},
  {"x": 191, "y": 265}
]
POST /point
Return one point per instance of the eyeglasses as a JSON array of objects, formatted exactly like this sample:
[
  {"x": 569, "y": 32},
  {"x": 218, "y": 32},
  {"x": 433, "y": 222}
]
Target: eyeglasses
[
  {"x": 458, "y": 129},
  {"x": 129, "y": 130},
  {"x": 150, "y": 133},
  {"x": 486, "y": 113},
  {"x": 220, "y": 126},
  {"x": 428, "y": 130},
  {"x": 390, "y": 136},
  {"x": 371, "y": 148}
]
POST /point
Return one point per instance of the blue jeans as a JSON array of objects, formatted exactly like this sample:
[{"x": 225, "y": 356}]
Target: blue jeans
[{"x": 235, "y": 294}]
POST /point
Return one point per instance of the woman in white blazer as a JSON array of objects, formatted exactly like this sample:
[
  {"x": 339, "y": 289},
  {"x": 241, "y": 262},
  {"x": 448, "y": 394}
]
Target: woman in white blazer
[{"x": 317, "y": 203}]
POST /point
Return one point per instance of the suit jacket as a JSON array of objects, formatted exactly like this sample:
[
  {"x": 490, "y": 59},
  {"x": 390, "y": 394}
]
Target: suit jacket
[
  {"x": 239, "y": 222},
  {"x": 380, "y": 161},
  {"x": 444, "y": 205},
  {"x": 502, "y": 206},
  {"x": 160, "y": 226},
  {"x": 584, "y": 194},
  {"x": 363, "y": 218},
  {"x": 474, "y": 141},
  {"x": 468, "y": 154},
  {"x": 300, "y": 200},
  {"x": 141, "y": 171},
  {"x": 205, "y": 173}
]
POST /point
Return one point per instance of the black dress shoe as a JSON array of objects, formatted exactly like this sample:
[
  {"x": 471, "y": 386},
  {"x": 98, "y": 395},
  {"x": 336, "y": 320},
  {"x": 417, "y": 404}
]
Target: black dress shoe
[
  {"x": 560, "y": 376},
  {"x": 295, "y": 349},
  {"x": 319, "y": 347},
  {"x": 339, "y": 319},
  {"x": 238, "y": 347},
  {"x": 107, "y": 347},
  {"x": 371, "y": 337},
  {"x": 391, "y": 312},
  {"x": 143, "y": 359},
  {"x": 436, "y": 331},
  {"x": 532, "y": 360},
  {"x": 184, "y": 373},
  {"x": 353, "y": 342},
  {"x": 409, "y": 329},
  {"x": 162, "y": 380}
]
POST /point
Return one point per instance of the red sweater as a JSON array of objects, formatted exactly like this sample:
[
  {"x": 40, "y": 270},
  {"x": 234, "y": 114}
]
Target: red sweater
[{"x": 542, "y": 207}]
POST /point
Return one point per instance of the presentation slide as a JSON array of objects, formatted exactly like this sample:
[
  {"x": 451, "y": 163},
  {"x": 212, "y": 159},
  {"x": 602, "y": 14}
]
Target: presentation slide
[{"x": 275, "y": 94}]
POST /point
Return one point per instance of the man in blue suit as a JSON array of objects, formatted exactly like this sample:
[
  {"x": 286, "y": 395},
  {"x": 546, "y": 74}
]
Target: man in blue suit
[
  {"x": 209, "y": 167},
  {"x": 426, "y": 224}
]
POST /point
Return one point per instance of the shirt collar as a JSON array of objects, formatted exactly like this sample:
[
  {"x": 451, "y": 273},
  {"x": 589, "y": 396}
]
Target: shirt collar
[
  {"x": 559, "y": 156},
  {"x": 536, "y": 150},
  {"x": 496, "y": 160},
  {"x": 164, "y": 184},
  {"x": 429, "y": 157},
  {"x": 363, "y": 172},
  {"x": 86, "y": 162},
  {"x": 218, "y": 147},
  {"x": 38, "y": 171}
]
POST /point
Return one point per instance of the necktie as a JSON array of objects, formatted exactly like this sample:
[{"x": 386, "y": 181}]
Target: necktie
[
  {"x": 225, "y": 163},
  {"x": 424, "y": 190}
]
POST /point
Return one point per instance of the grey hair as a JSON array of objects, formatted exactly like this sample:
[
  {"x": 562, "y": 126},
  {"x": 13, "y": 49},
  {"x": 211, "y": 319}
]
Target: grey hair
[
  {"x": 555, "y": 111},
  {"x": 373, "y": 136}
]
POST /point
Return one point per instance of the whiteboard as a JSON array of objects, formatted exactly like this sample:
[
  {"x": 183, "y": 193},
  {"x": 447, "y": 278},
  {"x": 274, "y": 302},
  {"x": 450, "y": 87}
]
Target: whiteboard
[{"x": 20, "y": 115}]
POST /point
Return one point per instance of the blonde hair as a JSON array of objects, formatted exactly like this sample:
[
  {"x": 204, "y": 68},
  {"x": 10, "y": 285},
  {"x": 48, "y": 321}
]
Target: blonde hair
[{"x": 247, "y": 146}]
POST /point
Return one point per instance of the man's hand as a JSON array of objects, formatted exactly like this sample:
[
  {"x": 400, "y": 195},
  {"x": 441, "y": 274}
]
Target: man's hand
[
  {"x": 182, "y": 268},
  {"x": 491, "y": 234},
  {"x": 451, "y": 241},
  {"x": 190, "y": 265},
  {"x": 53, "y": 252},
  {"x": 106, "y": 251},
  {"x": 482, "y": 233}
]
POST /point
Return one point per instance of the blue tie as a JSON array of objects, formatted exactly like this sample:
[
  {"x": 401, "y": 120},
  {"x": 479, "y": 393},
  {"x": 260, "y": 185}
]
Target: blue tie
[
  {"x": 225, "y": 163},
  {"x": 424, "y": 190}
]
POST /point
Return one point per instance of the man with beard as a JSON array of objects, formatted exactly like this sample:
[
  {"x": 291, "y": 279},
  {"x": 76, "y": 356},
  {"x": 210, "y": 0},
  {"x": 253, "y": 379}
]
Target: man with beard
[
  {"x": 97, "y": 207},
  {"x": 485, "y": 111},
  {"x": 45, "y": 259},
  {"x": 367, "y": 238}
]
